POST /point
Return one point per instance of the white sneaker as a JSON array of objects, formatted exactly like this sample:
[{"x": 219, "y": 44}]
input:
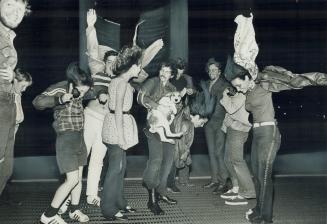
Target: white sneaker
[
  {"x": 238, "y": 200},
  {"x": 93, "y": 200},
  {"x": 230, "y": 194},
  {"x": 63, "y": 208},
  {"x": 79, "y": 216},
  {"x": 53, "y": 220}
]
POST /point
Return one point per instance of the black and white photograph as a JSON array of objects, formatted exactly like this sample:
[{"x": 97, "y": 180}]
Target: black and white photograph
[{"x": 163, "y": 111}]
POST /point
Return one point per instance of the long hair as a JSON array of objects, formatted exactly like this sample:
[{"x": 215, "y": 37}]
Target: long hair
[
  {"x": 77, "y": 76},
  {"x": 126, "y": 57}
]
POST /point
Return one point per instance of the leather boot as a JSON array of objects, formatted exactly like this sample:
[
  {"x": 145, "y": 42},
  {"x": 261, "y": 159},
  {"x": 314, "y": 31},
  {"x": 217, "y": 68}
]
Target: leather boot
[{"x": 153, "y": 203}]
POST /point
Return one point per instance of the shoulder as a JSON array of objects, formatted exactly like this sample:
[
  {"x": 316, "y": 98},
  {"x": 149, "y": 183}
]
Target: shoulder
[
  {"x": 150, "y": 83},
  {"x": 57, "y": 88}
]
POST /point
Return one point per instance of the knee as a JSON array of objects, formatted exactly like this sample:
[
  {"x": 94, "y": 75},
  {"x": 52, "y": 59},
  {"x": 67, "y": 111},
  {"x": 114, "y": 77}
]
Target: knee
[{"x": 73, "y": 182}]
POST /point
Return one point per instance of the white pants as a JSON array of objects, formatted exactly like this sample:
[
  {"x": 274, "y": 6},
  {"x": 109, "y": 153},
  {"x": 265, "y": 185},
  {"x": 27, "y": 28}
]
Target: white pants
[{"x": 93, "y": 141}]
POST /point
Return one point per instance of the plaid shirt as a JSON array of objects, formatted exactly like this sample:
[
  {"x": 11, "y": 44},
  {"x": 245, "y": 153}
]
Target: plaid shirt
[
  {"x": 68, "y": 116},
  {"x": 71, "y": 117}
]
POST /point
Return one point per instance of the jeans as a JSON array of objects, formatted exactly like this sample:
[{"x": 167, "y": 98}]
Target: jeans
[
  {"x": 113, "y": 198},
  {"x": 183, "y": 175},
  {"x": 161, "y": 156},
  {"x": 215, "y": 138},
  {"x": 265, "y": 144},
  {"x": 236, "y": 165},
  {"x": 7, "y": 137},
  {"x": 94, "y": 145}
]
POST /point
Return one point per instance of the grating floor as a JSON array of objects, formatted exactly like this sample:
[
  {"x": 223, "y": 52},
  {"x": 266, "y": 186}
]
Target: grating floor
[{"x": 297, "y": 201}]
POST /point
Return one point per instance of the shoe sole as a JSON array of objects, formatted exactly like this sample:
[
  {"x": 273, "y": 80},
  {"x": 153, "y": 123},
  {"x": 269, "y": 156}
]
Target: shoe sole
[
  {"x": 236, "y": 203},
  {"x": 228, "y": 197}
]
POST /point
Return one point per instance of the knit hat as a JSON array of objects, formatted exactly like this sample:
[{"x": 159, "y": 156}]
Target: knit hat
[{"x": 233, "y": 70}]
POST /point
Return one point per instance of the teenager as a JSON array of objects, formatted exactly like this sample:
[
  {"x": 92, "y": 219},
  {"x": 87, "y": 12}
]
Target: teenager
[
  {"x": 65, "y": 98},
  {"x": 119, "y": 133}
]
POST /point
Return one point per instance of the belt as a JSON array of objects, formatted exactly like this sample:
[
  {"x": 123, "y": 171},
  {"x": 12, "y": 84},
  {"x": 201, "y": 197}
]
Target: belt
[
  {"x": 124, "y": 112},
  {"x": 267, "y": 123}
]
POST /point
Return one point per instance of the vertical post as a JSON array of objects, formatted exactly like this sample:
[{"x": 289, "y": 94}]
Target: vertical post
[{"x": 178, "y": 29}]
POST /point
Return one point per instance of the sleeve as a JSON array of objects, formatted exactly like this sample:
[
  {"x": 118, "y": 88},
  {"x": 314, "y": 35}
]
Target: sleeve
[
  {"x": 234, "y": 103},
  {"x": 276, "y": 79},
  {"x": 50, "y": 98},
  {"x": 150, "y": 52},
  {"x": 144, "y": 96}
]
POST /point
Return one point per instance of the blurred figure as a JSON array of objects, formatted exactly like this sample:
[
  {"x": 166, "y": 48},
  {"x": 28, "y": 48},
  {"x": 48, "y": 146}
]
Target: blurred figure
[
  {"x": 12, "y": 13},
  {"x": 21, "y": 82}
]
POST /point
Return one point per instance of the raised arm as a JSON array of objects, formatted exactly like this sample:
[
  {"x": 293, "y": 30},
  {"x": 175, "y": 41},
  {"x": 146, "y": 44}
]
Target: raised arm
[
  {"x": 96, "y": 64},
  {"x": 276, "y": 79},
  {"x": 150, "y": 52}
]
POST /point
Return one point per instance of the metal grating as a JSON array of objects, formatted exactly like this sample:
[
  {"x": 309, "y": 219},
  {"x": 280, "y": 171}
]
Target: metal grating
[{"x": 298, "y": 201}]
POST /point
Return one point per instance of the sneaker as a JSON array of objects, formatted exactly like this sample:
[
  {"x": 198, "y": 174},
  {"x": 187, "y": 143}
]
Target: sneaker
[
  {"x": 174, "y": 189},
  {"x": 230, "y": 194},
  {"x": 128, "y": 209},
  {"x": 211, "y": 185},
  {"x": 93, "y": 200},
  {"x": 53, "y": 220},
  {"x": 118, "y": 217},
  {"x": 238, "y": 200},
  {"x": 78, "y": 216},
  {"x": 63, "y": 208}
]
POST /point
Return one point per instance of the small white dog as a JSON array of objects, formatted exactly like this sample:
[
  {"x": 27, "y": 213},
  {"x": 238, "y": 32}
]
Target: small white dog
[{"x": 160, "y": 118}]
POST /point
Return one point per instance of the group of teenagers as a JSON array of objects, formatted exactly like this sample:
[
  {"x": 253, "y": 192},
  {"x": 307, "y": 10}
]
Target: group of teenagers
[{"x": 221, "y": 105}]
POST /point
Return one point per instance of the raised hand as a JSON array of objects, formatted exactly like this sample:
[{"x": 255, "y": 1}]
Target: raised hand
[
  {"x": 91, "y": 17},
  {"x": 68, "y": 96}
]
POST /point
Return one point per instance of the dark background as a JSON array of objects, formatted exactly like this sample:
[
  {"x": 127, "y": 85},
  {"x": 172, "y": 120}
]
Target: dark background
[{"x": 291, "y": 34}]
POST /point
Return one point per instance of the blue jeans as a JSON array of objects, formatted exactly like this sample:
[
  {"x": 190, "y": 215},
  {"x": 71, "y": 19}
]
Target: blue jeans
[
  {"x": 236, "y": 165},
  {"x": 113, "y": 198},
  {"x": 161, "y": 157},
  {"x": 215, "y": 138},
  {"x": 265, "y": 144},
  {"x": 7, "y": 137}
]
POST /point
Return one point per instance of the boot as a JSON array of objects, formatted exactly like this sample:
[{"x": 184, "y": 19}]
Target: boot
[{"x": 153, "y": 203}]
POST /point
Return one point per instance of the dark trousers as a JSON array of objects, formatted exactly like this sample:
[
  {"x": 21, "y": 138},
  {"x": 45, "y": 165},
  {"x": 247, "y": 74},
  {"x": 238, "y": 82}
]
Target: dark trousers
[
  {"x": 113, "y": 198},
  {"x": 265, "y": 144},
  {"x": 183, "y": 175},
  {"x": 215, "y": 138},
  {"x": 161, "y": 156},
  {"x": 7, "y": 137}
]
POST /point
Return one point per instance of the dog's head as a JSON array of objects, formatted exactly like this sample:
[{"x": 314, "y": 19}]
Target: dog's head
[{"x": 174, "y": 97}]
